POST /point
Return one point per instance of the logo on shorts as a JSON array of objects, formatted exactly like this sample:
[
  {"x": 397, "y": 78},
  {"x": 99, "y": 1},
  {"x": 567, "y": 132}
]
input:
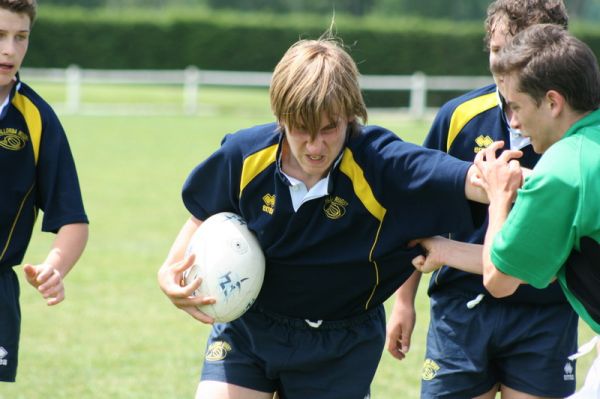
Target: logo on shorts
[
  {"x": 217, "y": 351},
  {"x": 269, "y": 203},
  {"x": 569, "y": 376},
  {"x": 482, "y": 142},
  {"x": 430, "y": 369},
  {"x": 335, "y": 207},
  {"x": 13, "y": 139},
  {"x": 3, "y": 353}
]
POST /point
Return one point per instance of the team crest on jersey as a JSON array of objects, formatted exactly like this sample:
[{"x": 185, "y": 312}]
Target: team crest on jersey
[
  {"x": 218, "y": 350},
  {"x": 482, "y": 142},
  {"x": 569, "y": 376},
  {"x": 430, "y": 369},
  {"x": 335, "y": 207},
  {"x": 13, "y": 139},
  {"x": 268, "y": 203}
]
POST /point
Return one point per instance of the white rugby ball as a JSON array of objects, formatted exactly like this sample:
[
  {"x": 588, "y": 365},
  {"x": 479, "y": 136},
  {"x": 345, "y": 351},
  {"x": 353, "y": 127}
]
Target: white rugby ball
[{"x": 230, "y": 262}]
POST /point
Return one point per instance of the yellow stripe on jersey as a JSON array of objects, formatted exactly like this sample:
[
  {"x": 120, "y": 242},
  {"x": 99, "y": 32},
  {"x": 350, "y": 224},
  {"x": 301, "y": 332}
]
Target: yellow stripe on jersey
[
  {"x": 33, "y": 119},
  {"x": 467, "y": 111},
  {"x": 362, "y": 189},
  {"x": 14, "y": 223},
  {"x": 255, "y": 164}
]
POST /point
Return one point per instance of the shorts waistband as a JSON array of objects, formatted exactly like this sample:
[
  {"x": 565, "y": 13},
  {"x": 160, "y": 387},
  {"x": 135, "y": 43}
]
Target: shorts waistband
[{"x": 322, "y": 324}]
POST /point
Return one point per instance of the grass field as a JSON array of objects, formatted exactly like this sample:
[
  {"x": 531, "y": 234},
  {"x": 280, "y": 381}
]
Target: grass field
[{"x": 117, "y": 336}]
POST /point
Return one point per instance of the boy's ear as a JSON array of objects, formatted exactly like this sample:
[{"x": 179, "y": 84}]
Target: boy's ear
[{"x": 555, "y": 101}]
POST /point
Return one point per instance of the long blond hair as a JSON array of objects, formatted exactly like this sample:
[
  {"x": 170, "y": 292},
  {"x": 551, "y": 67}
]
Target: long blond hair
[{"x": 316, "y": 77}]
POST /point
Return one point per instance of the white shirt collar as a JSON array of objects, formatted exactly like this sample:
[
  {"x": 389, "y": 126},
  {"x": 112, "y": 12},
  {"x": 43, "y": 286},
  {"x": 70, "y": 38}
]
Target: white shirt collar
[{"x": 300, "y": 194}]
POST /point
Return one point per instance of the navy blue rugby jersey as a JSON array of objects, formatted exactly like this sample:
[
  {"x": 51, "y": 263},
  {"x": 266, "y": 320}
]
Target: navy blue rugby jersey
[
  {"x": 37, "y": 172},
  {"x": 462, "y": 127},
  {"x": 346, "y": 252}
]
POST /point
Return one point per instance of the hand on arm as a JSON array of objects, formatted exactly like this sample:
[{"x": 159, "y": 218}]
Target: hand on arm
[
  {"x": 440, "y": 251},
  {"x": 403, "y": 318},
  {"x": 170, "y": 275},
  {"x": 476, "y": 187},
  {"x": 500, "y": 177},
  {"x": 66, "y": 249}
]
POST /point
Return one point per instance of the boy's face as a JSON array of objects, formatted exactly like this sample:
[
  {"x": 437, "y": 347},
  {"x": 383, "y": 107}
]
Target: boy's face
[
  {"x": 14, "y": 39},
  {"x": 498, "y": 39},
  {"x": 534, "y": 121},
  {"x": 310, "y": 159}
]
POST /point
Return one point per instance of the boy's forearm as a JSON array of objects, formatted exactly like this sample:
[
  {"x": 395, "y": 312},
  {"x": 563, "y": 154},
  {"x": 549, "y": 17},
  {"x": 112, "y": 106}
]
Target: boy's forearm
[
  {"x": 68, "y": 246},
  {"x": 405, "y": 295},
  {"x": 463, "y": 256},
  {"x": 496, "y": 282}
]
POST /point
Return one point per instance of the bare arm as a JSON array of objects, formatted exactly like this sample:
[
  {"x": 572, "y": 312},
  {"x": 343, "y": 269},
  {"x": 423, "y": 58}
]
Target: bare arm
[
  {"x": 66, "y": 249},
  {"x": 500, "y": 177},
  {"x": 403, "y": 318},
  {"x": 473, "y": 191},
  {"x": 440, "y": 251},
  {"x": 170, "y": 275}
]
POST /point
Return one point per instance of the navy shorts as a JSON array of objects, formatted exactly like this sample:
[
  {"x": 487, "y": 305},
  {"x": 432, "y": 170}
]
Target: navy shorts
[
  {"x": 10, "y": 324},
  {"x": 524, "y": 347},
  {"x": 299, "y": 359}
]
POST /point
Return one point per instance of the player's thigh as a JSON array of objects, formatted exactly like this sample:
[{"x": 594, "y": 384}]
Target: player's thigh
[
  {"x": 10, "y": 324},
  {"x": 237, "y": 353},
  {"x": 491, "y": 394},
  {"x": 223, "y": 390},
  {"x": 337, "y": 363},
  {"x": 509, "y": 393},
  {"x": 457, "y": 363},
  {"x": 533, "y": 348}
]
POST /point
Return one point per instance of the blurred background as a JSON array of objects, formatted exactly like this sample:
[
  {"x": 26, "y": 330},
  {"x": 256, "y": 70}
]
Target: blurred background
[
  {"x": 416, "y": 40},
  {"x": 145, "y": 91}
]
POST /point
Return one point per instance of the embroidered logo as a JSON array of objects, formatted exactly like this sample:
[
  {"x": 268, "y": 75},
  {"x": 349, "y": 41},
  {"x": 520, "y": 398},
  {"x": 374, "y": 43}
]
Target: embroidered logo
[
  {"x": 569, "y": 376},
  {"x": 218, "y": 350},
  {"x": 13, "y": 139},
  {"x": 430, "y": 369},
  {"x": 335, "y": 207},
  {"x": 482, "y": 142},
  {"x": 269, "y": 203},
  {"x": 3, "y": 353}
]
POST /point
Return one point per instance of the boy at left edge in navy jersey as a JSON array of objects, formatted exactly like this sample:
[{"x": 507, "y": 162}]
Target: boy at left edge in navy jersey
[
  {"x": 37, "y": 172},
  {"x": 333, "y": 204}
]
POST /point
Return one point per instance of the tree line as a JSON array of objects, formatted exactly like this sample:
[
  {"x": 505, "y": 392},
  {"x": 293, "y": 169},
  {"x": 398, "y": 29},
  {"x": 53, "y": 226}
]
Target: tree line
[{"x": 455, "y": 10}]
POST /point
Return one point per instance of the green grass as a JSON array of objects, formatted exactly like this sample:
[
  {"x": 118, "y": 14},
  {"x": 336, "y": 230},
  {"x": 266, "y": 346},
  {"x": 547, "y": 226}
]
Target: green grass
[{"x": 117, "y": 336}]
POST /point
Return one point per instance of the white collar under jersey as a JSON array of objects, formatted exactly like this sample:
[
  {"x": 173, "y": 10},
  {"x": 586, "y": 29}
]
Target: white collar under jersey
[
  {"x": 4, "y": 104},
  {"x": 300, "y": 194},
  {"x": 517, "y": 141},
  {"x": 298, "y": 191},
  {"x": 8, "y": 99}
]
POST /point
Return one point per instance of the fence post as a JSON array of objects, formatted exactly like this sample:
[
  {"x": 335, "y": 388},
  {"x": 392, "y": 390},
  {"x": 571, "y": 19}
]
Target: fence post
[
  {"x": 418, "y": 94},
  {"x": 190, "y": 89},
  {"x": 73, "y": 92}
]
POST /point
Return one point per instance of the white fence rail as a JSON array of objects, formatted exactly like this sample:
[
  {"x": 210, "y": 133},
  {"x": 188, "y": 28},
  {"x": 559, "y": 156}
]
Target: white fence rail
[{"x": 192, "y": 79}]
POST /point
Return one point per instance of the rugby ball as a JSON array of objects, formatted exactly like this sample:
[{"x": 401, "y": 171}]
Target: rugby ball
[{"x": 230, "y": 262}]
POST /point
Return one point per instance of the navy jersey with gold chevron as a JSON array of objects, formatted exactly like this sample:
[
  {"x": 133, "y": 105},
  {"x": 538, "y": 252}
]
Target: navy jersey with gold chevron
[
  {"x": 345, "y": 252},
  {"x": 37, "y": 172},
  {"x": 462, "y": 127}
]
